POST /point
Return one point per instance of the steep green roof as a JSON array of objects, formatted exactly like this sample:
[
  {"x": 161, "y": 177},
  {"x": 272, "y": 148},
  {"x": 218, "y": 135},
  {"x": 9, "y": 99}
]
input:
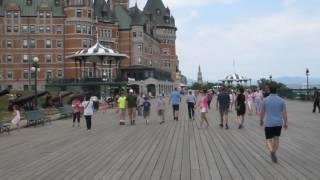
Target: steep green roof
[
  {"x": 102, "y": 10},
  {"x": 31, "y": 10},
  {"x": 136, "y": 16},
  {"x": 122, "y": 16},
  {"x": 158, "y": 14}
]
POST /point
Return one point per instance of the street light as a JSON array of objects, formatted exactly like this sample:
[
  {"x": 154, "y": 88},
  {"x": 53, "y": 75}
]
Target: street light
[
  {"x": 270, "y": 77},
  {"x": 35, "y": 68},
  {"x": 307, "y": 74}
]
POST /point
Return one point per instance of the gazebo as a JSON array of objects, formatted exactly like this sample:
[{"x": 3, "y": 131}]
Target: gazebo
[
  {"x": 236, "y": 79},
  {"x": 105, "y": 62},
  {"x": 97, "y": 70}
]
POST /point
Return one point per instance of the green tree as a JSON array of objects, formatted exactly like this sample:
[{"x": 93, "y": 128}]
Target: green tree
[{"x": 265, "y": 82}]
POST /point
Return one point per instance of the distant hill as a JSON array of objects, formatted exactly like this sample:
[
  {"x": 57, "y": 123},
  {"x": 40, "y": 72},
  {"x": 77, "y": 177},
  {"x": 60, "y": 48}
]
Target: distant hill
[{"x": 297, "y": 82}]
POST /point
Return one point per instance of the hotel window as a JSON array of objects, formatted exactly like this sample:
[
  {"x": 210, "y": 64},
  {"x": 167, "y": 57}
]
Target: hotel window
[
  {"x": 165, "y": 51},
  {"x": 9, "y": 44},
  {"x": 49, "y": 74},
  {"x": 84, "y": 43},
  {"x": 57, "y": 2},
  {"x": 29, "y": 2},
  {"x": 89, "y": 29},
  {"x": 9, "y": 29},
  {"x": 48, "y": 43},
  {"x": 59, "y": 29},
  {"x": 59, "y": 44},
  {"x": 9, "y": 75},
  {"x": 25, "y": 58},
  {"x": 134, "y": 34},
  {"x": 25, "y": 74},
  {"x": 24, "y": 28},
  {"x": 59, "y": 58},
  {"x": 15, "y": 14},
  {"x": 32, "y": 28},
  {"x": 89, "y": 14},
  {"x": 9, "y": 58},
  {"x": 84, "y": 29},
  {"x": 41, "y": 14},
  {"x": 48, "y": 58},
  {"x": 48, "y": 15},
  {"x": 140, "y": 47},
  {"x": 25, "y": 43},
  {"x": 9, "y": 14},
  {"x": 79, "y": 12},
  {"x": 60, "y": 73},
  {"x": 41, "y": 29},
  {"x": 32, "y": 43},
  {"x": 78, "y": 28},
  {"x": 48, "y": 29},
  {"x": 16, "y": 28}
]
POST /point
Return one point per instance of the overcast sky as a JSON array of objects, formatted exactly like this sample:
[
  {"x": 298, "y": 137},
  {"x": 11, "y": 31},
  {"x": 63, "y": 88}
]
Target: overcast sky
[{"x": 263, "y": 37}]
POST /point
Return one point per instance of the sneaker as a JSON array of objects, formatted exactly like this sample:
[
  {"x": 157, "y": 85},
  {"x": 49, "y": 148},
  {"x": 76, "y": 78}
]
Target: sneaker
[
  {"x": 221, "y": 125},
  {"x": 240, "y": 126},
  {"x": 227, "y": 127}
]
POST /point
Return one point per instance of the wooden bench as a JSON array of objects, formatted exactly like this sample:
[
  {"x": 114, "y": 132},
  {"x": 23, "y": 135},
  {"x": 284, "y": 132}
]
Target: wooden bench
[
  {"x": 4, "y": 127},
  {"x": 65, "y": 111},
  {"x": 36, "y": 117}
]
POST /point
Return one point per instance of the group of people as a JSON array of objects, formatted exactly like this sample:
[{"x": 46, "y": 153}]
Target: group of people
[{"x": 270, "y": 107}]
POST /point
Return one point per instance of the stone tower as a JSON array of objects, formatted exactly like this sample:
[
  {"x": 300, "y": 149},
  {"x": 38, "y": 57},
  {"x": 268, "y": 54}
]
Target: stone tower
[{"x": 200, "y": 75}]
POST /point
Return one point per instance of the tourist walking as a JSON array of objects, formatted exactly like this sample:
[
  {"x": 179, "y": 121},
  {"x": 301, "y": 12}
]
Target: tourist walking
[
  {"x": 250, "y": 100},
  {"x": 122, "y": 104},
  {"x": 240, "y": 107},
  {"x": 203, "y": 106},
  {"x": 87, "y": 105},
  {"x": 223, "y": 103},
  {"x": 76, "y": 108},
  {"x": 140, "y": 104},
  {"x": 132, "y": 106},
  {"x": 316, "y": 98},
  {"x": 258, "y": 98},
  {"x": 273, "y": 117},
  {"x": 16, "y": 116},
  {"x": 210, "y": 96},
  {"x": 146, "y": 109},
  {"x": 161, "y": 105},
  {"x": 191, "y": 102},
  {"x": 175, "y": 99}
]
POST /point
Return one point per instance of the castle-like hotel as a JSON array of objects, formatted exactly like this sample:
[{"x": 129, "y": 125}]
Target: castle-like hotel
[{"x": 54, "y": 29}]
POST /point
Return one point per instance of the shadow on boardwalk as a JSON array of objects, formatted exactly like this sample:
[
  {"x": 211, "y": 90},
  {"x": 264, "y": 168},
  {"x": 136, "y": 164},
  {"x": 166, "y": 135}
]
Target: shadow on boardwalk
[{"x": 174, "y": 150}]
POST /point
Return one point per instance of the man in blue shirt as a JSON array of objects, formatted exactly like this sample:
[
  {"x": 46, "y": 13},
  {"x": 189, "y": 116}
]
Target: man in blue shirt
[
  {"x": 175, "y": 99},
  {"x": 273, "y": 116}
]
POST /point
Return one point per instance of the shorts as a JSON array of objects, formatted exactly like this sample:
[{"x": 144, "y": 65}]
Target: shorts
[
  {"x": 272, "y": 132},
  {"x": 203, "y": 110},
  {"x": 224, "y": 110},
  {"x": 132, "y": 112},
  {"x": 175, "y": 107}
]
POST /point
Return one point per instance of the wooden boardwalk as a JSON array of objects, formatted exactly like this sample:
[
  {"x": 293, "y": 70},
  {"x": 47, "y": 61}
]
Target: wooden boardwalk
[{"x": 174, "y": 150}]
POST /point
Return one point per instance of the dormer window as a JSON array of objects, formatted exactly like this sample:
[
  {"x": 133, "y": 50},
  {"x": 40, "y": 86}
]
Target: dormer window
[
  {"x": 29, "y": 2},
  {"x": 48, "y": 15},
  {"x": 79, "y": 12},
  {"x": 41, "y": 14},
  {"x": 15, "y": 14},
  {"x": 158, "y": 11}
]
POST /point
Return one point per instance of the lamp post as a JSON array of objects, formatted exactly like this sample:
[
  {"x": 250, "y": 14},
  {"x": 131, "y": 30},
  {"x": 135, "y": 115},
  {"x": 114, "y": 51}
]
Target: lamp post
[
  {"x": 35, "y": 68},
  {"x": 270, "y": 77},
  {"x": 105, "y": 79},
  {"x": 307, "y": 74}
]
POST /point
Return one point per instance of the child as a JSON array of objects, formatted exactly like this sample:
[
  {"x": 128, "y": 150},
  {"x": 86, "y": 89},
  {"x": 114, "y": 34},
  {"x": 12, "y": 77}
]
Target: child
[
  {"x": 146, "y": 109},
  {"x": 16, "y": 116},
  {"x": 161, "y": 107}
]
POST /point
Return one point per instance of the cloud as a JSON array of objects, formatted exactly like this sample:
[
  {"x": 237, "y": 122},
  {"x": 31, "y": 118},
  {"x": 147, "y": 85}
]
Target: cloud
[{"x": 279, "y": 44}]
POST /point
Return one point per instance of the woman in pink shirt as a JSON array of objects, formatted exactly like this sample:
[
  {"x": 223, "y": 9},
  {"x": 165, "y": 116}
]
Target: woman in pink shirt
[
  {"x": 203, "y": 105},
  {"x": 76, "y": 103}
]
